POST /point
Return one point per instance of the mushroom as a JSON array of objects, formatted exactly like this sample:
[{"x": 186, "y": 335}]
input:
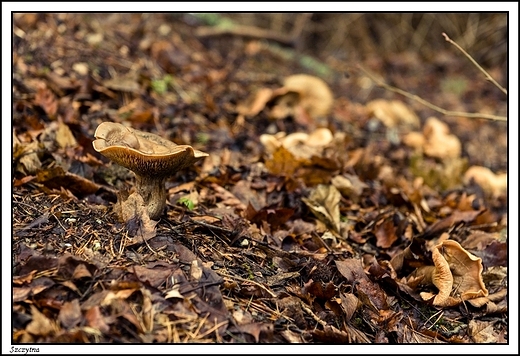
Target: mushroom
[
  {"x": 457, "y": 274},
  {"x": 152, "y": 159}
]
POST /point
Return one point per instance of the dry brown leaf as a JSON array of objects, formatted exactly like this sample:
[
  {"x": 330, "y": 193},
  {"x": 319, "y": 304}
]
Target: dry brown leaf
[
  {"x": 96, "y": 320},
  {"x": 40, "y": 324},
  {"x": 154, "y": 274},
  {"x": 386, "y": 233},
  {"x": 482, "y": 331},
  {"x": 256, "y": 103},
  {"x": 324, "y": 204},
  {"x": 27, "y": 156},
  {"x": 70, "y": 314},
  {"x": 494, "y": 298},
  {"x": 283, "y": 162},
  {"x": 349, "y": 185},
  {"x": 349, "y": 304},
  {"x": 64, "y": 136},
  {"x": 46, "y": 99},
  {"x": 128, "y": 85},
  {"x": 247, "y": 195},
  {"x": 455, "y": 218},
  {"x": 351, "y": 269},
  {"x": 227, "y": 197},
  {"x": 255, "y": 329},
  {"x": 57, "y": 178},
  {"x": 81, "y": 271}
]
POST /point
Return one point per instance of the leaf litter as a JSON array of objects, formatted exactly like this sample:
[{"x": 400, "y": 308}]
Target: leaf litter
[{"x": 305, "y": 224}]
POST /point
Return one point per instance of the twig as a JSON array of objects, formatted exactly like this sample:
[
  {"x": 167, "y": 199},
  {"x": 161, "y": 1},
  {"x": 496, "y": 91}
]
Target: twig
[
  {"x": 314, "y": 316},
  {"x": 247, "y": 280},
  {"x": 427, "y": 103},
  {"x": 243, "y": 31},
  {"x": 475, "y": 63}
]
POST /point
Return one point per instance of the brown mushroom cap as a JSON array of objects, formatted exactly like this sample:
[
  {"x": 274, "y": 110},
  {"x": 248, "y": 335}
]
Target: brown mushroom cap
[{"x": 143, "y": 153}]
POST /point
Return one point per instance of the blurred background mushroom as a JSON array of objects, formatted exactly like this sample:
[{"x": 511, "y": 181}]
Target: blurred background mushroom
[{"x": 152, "y": 159}]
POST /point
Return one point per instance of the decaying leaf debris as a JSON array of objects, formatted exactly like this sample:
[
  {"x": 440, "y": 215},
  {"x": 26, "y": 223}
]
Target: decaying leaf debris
[{"x": 317, "y": 216}]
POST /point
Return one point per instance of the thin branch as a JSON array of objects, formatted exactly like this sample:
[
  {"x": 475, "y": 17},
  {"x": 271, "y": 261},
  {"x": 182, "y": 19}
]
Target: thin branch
[
  {"x": 489, "y": 77},
  {"x": 244, "y": 31},
  {"x": 246, "y": 280},
  {"x": 428, "y": 104}
]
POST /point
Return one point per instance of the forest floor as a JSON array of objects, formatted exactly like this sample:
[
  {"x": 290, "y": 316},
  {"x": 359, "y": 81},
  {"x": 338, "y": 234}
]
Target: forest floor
[{"x": 366, "y": 219}]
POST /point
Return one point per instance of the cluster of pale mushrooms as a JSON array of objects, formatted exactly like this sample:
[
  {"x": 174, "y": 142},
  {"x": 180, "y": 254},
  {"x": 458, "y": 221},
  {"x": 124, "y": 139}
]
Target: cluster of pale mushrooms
[{"x": 152, "y": 158}]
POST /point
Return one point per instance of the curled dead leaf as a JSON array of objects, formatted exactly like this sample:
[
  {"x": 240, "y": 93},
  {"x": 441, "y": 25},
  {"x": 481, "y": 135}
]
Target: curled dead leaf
[
  {"x": 324, "y": 204},
  {"x": 27, "y": 156},
  {"x": 349, "y": 185}
]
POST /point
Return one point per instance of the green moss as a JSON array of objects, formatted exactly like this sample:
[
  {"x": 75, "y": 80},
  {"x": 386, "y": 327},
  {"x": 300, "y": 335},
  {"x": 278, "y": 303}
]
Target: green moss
[{"x": 443, "y": 175}]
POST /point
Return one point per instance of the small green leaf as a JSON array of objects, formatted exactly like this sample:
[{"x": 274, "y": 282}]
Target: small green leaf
[{"x": 187, "y": 202}]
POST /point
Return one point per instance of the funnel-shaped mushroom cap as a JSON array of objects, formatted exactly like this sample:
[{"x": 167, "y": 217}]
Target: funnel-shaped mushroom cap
[{"x": 143, "y": 153}]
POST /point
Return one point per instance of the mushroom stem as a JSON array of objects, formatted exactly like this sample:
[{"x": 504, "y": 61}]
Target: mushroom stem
[{"x": 153, "y": 191}]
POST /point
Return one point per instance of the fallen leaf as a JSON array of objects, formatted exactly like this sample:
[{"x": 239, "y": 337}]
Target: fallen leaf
[
  {"x": 283, "y": 162},
  {"x": 275, "y": 217},
  {"x": 96, "y": 320},
  {"x": 123, "y": 84},
  {"x": 349, "y": 304},
  {"x": 482, "y": 331},
  {"x": 64, "y": 136},
  {"x": 154, "y": 274},
  {"x": 46, "y": 99},
  {"x": 256, "y": 103},
  {"x": 386, "y": 233},
  {"x": 351, "y": 269},
  {"x": 455, "y": 218},
  {"x": 70, "y": 314},
  {"x": 40, "y": 324},
  {"x": 26, "y": 155},
  {"x": 324, "y": 204},
  {"x": 349, "y": 185},
  {"x": 57, "y": 178},
  {"x": 254, "y": 329}
]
